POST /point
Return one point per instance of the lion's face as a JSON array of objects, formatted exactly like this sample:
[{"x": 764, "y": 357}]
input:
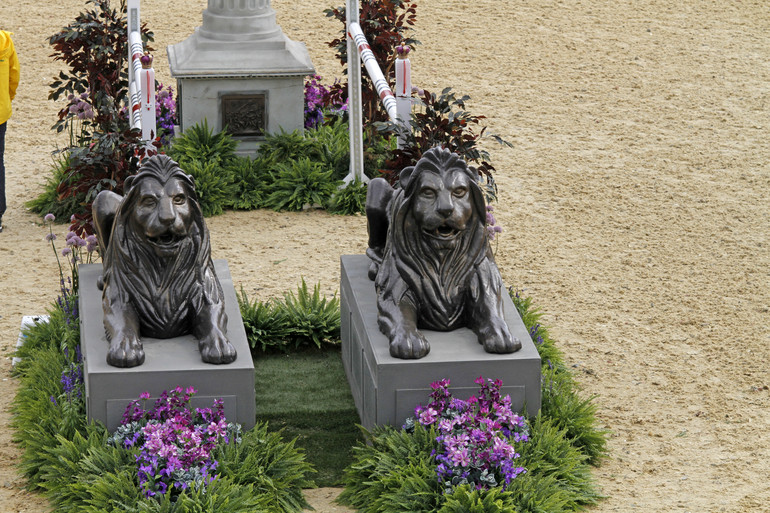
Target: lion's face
[
  {"x": 442, "y": 207},
  {"x": 162, "y": 215}
]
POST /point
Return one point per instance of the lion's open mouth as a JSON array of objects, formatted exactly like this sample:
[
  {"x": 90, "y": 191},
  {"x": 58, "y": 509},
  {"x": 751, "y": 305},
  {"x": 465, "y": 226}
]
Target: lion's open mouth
[
  {"x": 165, "y": 240},
  {"x": 443, "y": 232}
]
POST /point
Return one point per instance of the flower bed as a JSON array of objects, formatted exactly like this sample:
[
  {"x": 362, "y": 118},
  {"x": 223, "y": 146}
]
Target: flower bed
[{"x": 478, "y": 455}]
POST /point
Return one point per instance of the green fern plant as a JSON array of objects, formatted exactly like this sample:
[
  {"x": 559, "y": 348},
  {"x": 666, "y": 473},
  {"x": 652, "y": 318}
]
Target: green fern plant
[
  {"x": 376, "y": 481},
  {"x": 274, "y": 468},
  {"x": 267, "y": 325},
  {"x": 312, "y": 317},
  {"x": 213, "y": 185},
  {"x": 332, "y": 144},
  {"x": 300, "y": 184},
  {"x": 250, "y": 181},
  {"x": 561, "y": 400},
  {"x": 199, "y": 142},
  {"x": 349, "y": 200},
  {"x": 465, "y": 500},
  {"x": 286, "y": 146}
]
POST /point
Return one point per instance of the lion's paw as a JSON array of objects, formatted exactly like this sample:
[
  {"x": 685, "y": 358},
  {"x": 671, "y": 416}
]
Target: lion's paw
[
  {"x": 125, "y": 351},
  {"x": 497, "y": 338},
  {"x": 409, "y": 345},
  {"x": 215, "y": 348}
]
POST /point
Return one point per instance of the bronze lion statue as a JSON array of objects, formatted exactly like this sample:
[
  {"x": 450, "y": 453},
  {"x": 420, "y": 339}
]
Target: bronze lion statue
[
  {"x": 158, "y": 278},
  {"x": 430, "y": 257}
]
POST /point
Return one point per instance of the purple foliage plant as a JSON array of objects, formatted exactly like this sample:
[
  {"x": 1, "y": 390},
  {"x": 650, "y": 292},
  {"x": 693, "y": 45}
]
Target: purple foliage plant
[
  {"x": 165, "y": 112},
  {"x": 477, "y": 437},
  {"x": 323, "y": 103},
  {"x": 175, "y": 442}
]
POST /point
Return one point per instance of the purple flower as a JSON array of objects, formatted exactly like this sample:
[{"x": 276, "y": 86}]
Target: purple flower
[
  {"x": 50, "y": 237},
  {"x": 49, "y": 218},
  {"x": 65, "y": 252},
  {"x": 175, "y": 443},
  {"x": 477, "y": 434}
]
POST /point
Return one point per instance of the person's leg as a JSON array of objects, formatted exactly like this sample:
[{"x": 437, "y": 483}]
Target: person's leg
[{"x": 2, "y": 172}]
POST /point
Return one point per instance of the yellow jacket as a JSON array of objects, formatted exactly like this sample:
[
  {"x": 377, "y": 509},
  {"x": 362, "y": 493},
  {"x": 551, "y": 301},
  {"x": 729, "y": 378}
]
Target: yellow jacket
[{"x": 9, "y": 74}]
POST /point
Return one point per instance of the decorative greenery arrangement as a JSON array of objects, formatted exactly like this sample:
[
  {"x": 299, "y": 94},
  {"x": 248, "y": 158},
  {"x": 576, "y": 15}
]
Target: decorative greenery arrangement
[
  {"x": 103, "y": 150},
  {"x": 79, "y": 470},
  {"x": 396, "y": 470},
  {"x": 298, "y": 320}
]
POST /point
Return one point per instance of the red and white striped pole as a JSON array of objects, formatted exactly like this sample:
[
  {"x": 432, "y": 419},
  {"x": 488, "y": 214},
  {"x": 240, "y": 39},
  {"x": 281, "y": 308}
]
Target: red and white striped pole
[
  {"x": 141, "y": 78},
  {"x": 378, "y": 79}
]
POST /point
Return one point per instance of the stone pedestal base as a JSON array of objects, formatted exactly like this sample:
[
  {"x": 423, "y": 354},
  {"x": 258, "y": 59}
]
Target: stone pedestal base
[
  {"x": 168, "y": 363},
  {"x": 386, "y": 389}
]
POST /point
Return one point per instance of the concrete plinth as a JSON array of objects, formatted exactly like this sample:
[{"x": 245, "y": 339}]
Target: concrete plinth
[
  {"x": 168, "y": 362},
  {"x": 386, "y": 389}
]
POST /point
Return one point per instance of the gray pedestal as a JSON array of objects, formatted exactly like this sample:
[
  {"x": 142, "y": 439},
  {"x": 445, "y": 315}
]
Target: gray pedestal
[
  {"x": 239, "y": 70},
  {"x": 386, "y": 389},
  {"x": 168, "y": 363}
]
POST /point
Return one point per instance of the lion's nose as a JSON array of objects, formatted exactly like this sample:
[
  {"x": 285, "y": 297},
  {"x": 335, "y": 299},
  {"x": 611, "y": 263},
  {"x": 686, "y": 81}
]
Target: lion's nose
[
  {"x": 444, "y": 207},
  {"x": 166, "y": 211}
]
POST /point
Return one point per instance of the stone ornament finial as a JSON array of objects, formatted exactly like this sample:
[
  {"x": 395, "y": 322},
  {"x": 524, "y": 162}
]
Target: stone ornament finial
[
  {"x": 430, "y": 257},
  {"x": 158, "y": 277}
]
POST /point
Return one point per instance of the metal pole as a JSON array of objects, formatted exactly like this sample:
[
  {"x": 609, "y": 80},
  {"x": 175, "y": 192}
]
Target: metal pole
[{"x": 355, "y": 112}]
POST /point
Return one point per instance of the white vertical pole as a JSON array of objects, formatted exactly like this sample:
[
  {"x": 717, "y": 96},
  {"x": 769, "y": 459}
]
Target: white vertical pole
[
  {"x": 355, "y": 111},
  {"x": 147, "y": 78},
  {"x": 132, "y": 23},
  {"x": 403, "y": 91}
]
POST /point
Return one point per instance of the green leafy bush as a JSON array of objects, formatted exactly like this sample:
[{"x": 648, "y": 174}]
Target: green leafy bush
[
  {"x": 274, "y": 469},
  {"x": 251, "y": 179},
  {"x": 286, "y": 146},
  {"x": 299, "y": 184},
  {"x": 332, "y": 144},
  {"x": 213, "y": 185},
  {"x": 298, "y": 320},
  {"x": 349, "y": 200},
  {"x": 199, "y": 142}
]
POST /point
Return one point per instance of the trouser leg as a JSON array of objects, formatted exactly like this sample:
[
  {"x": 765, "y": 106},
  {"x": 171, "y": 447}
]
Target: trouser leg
[{"x": 2, "y": 168}]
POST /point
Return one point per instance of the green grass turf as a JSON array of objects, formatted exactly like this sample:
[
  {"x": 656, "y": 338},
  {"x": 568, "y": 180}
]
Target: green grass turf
[{"x": 307, "y": 395}]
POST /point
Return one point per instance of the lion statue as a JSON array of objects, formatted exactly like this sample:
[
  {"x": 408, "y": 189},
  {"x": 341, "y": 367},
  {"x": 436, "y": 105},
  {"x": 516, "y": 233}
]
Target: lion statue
[
  {"x": 430, "y": 257},
  {"x": 158, "y": 279}
]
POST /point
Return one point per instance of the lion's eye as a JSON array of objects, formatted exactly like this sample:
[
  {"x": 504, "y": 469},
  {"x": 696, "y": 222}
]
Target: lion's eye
[
  {"x": 180, "y": 199},
  {"x": 149, "y": 202},
  {"x": 460, "y": 192},
  {"x": 427, "y": 193}
]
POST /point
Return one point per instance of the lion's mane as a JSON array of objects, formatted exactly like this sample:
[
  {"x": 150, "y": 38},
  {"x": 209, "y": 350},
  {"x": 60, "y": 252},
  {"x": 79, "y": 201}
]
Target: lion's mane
[
  {"x": 165, "y": 293},
  {"x": 436, "y": 281}
]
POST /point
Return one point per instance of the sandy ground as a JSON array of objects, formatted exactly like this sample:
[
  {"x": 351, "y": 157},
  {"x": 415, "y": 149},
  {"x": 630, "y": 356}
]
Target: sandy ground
[{"x": 635, "y": 206}]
